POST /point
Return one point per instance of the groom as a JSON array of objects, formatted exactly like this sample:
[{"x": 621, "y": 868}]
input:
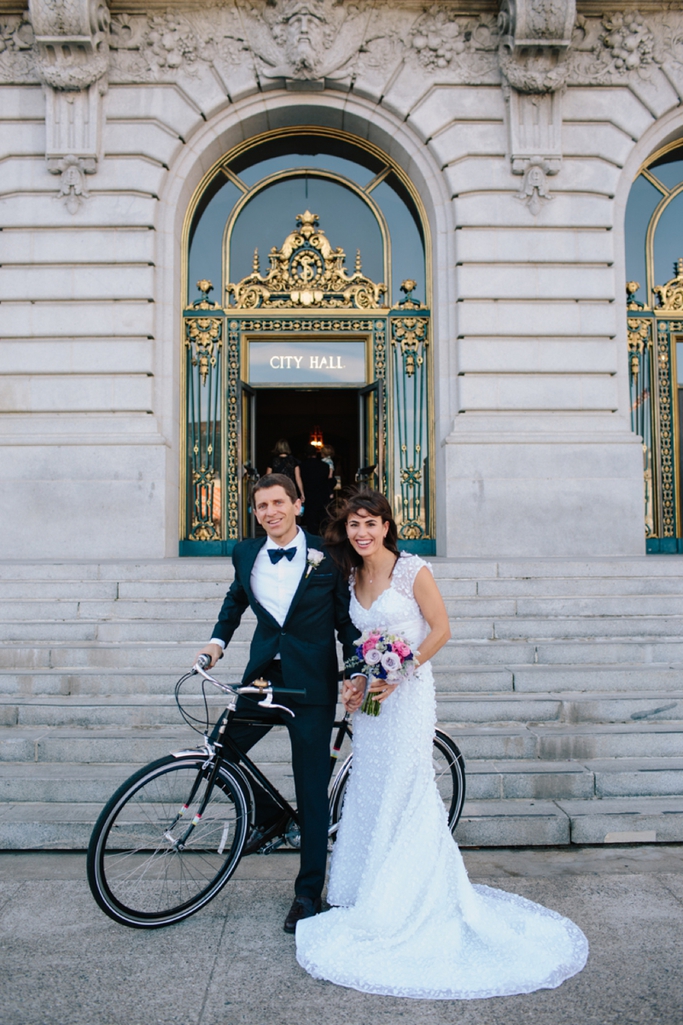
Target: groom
[{"x": 299, "y": 599}]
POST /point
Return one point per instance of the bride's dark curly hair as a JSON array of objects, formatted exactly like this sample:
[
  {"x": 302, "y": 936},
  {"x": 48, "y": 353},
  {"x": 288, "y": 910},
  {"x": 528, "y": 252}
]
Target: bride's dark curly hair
[{"x": 337, "y": 543}]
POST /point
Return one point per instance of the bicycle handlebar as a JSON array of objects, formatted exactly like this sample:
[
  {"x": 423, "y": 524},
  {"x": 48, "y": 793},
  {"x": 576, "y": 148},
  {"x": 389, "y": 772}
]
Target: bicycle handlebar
[{"x": 258, "y": 687}]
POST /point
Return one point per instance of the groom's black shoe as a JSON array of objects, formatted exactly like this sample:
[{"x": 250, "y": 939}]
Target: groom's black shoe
[
  {"x": 260, "y": 835},
  {"x": 303, "y": 907}
]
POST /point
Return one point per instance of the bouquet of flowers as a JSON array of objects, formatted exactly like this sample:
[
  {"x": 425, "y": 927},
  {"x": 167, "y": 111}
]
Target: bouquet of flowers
[{"x": 380, "y": 657}]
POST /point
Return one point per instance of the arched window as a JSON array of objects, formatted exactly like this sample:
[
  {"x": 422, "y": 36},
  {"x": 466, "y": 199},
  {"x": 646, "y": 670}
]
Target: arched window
[
  {"x": 309, "y": 248},
  {"x": 362, "y": 200},
  {"x": 654, "y": 269}
]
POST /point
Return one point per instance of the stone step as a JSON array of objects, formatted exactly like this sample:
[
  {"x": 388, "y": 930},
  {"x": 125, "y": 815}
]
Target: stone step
[
  {"x": 607, "y": 567},
  {"x": 80, "y": 783},
  {"x": 578, "y": 707},
  {"x": 607, "y": 777},
  {"x": 625, "y": 680},
  {"x": 175, "y": 654},
  {"x": 533, "y": 823},
  {"x": 512, "y": 822},
  {"x": 546, "y": 741},
  {"x": 566, "y": 587},
  {"x": 486, "y": 780},
  {"x": 646, "y": 628},
  {"x": 560, "y": 742},
  {"x": 213, "y": 590},
  {"x": 161, "y": 709},
  {"x": 204, "y": 609},
  {"x": 118, "y": 569},
  {"x": 637, "y": 777}
]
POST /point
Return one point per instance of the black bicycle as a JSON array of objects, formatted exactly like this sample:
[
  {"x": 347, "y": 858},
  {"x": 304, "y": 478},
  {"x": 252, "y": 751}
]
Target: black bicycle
[{"x": 172, "y": 835}]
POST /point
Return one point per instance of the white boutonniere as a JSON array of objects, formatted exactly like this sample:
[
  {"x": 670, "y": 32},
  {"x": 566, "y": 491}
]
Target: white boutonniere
[{"x": 313, "y": 559}]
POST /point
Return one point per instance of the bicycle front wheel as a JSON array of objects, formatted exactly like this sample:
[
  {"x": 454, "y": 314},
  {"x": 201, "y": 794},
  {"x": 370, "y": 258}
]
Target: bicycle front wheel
[
  {"x": 449, "y": 774},
  {"x": 150, "y": 861}
]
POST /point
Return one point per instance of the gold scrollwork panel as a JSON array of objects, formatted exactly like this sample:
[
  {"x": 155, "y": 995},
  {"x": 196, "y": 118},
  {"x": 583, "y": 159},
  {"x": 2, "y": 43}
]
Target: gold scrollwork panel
[
  {"x": 410, "y": 325},
  {"x": 203, "y": 337}
]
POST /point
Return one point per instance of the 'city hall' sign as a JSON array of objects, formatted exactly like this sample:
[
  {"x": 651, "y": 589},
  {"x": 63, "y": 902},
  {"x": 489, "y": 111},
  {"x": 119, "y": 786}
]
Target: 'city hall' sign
[{"x": 307, "y": 363}]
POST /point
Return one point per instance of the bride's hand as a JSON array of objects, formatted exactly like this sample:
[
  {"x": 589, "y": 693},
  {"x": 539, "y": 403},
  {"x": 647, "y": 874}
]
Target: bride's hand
[
  {"x": 352, "y": 693},
  {"x": 382, "y": 689}
]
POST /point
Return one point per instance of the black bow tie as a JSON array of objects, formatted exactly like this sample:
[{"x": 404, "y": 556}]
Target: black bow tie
[{"x": 277, "y": 553}]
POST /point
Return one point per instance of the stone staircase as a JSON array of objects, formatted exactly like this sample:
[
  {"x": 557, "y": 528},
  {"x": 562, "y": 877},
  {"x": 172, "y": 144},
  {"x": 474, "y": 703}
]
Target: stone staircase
[{"x": 562, "y": 684}]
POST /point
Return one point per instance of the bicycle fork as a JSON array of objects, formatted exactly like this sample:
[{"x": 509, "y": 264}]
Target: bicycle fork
[{"x": 179, "y": 843}]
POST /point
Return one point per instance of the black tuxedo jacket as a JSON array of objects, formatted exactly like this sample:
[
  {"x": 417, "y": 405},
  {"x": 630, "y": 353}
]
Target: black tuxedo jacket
[{"x": 305, "y": 642}]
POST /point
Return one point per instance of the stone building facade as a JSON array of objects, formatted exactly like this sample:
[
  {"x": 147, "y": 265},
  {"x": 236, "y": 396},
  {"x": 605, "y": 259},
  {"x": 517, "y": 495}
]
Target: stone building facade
[{"x": 518, "y": 129}]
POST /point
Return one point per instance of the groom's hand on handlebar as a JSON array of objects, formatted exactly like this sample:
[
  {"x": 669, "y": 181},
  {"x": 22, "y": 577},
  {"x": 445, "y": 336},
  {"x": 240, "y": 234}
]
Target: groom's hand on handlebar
[{"x": 214, "y": 651}]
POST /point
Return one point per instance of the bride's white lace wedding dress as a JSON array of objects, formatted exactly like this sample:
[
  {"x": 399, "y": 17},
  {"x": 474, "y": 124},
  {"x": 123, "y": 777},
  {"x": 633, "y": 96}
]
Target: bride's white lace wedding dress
[{"x": 408, "y": 922}]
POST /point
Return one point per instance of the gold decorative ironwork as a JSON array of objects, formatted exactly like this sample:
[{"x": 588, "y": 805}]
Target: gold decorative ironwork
[
  {"x": 204, "y": 338},
  {"x": 666, "y": 435},
  {"x": 306, "y": 272},
  {"x": 411, "y": 334},
  {"x": 232, "y": 447},
  {"x": 652, "y": 338},
  {"x": 412, "y": 476},
  {"x": 203, "y": 342},
  {"x": 640, "y": 367},
  {"x": 638, "y": 341},
  {"x": 631, "y": 289},
  {"x": 409, "y": 341},
  {"x": 670, "y": 295}
]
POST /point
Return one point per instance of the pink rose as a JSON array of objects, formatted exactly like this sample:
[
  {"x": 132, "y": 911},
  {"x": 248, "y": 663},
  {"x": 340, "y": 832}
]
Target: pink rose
[
  {"x": 401, "y": 649},
  {"x": 370, "y": 643}
]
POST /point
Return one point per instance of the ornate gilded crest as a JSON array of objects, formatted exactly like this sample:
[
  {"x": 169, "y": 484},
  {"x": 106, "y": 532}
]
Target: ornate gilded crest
[
  {"x": 671, "y": 294},
  {"x": 306, "y": 272}
]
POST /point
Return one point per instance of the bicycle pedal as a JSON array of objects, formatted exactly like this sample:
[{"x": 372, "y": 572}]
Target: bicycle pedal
[{"x": 271, "y": 846}]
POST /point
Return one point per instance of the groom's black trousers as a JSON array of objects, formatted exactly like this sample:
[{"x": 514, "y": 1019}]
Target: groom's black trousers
[{"x": 310, "y": 730}]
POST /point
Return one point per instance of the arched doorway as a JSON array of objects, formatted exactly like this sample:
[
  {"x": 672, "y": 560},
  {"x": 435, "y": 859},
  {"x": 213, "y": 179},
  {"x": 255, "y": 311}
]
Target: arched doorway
[
  {"x": 307, "y": 343},
  {"x": 654, "y": 268}
]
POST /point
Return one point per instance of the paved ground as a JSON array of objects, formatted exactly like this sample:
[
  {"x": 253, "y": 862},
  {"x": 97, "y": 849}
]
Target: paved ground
[{"x": 64, "y": 963}]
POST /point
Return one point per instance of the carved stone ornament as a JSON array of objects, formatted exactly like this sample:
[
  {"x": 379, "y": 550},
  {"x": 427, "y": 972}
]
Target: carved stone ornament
[
  {"x": 670, "y": 295},
  {"x": 72, "y": 185},
  {"x": 534, "y": 189},
  {"x": 535, "y": 36},
  {"x": 71, "y": 41},
  {"x": 306, "y": 272},
  {"x": 305, "y": 40},
  {"x": 312, "y": 44}
]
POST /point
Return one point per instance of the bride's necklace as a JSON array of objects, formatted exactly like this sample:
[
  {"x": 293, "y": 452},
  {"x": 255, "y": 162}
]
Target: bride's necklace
[{"x": 370, "y": 579}]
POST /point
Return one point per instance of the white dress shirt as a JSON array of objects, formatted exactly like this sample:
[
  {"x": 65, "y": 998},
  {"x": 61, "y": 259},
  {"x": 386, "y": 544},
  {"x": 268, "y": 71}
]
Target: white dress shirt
[{"x": 275, "y": 584}]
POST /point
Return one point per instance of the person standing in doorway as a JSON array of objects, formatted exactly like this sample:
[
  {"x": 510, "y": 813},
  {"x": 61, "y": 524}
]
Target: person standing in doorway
[
  {"x": 317, "y": 480},
  {"x": 282, "y": 461},
  {"x": 299, "y": 598}
]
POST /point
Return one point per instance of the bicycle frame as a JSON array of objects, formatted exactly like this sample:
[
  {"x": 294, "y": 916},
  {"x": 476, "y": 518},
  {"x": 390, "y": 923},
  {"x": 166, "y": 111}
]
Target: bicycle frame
[
  {"x": 217, "y": 751},
  {"x": 224, "y": 751}
]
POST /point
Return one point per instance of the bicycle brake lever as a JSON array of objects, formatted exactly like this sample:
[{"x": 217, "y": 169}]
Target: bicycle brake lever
[{"x": 268, "y": 703}]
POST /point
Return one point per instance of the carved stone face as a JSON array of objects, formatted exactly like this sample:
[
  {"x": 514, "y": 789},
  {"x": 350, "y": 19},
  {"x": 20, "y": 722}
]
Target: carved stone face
[{"x": 304, "y": 43}]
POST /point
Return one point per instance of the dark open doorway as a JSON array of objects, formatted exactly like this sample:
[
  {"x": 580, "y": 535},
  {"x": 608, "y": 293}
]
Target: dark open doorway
[{"x": 293, "y": 414}]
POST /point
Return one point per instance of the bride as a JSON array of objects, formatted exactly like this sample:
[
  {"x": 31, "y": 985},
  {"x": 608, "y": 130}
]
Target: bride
[{"x": 406, "y": 921}]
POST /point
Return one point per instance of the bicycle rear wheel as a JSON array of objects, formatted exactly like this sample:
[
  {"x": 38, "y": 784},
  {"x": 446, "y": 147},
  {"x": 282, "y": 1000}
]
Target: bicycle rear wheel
[
  {"x": 146, "y": 866},
  {"x": 449, "y": 772}
]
